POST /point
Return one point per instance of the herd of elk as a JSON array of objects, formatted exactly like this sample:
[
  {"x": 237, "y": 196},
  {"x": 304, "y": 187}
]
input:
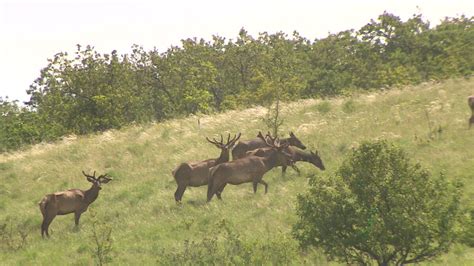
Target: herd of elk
[
  {"x": 297, "y": 155},
  {"x": 251, "y": 160},
  {"x": 195, "y": 174},
  {"x": 249, "y": 168},
  {"x": 243, "y": 147},
  {"x": 470, "y": 102},
  {"x": 70, "y": 201}
]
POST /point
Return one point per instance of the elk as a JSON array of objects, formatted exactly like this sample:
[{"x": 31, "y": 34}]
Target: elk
[
  {"x": 70, "y": 201},
  {"x": 240, "y": 150},
  {"x": 196, "y": 174},
  {"x": 247, "y": 169},
  {"x": 297, "y": 155},
  {"x": 470, "y": 102}
]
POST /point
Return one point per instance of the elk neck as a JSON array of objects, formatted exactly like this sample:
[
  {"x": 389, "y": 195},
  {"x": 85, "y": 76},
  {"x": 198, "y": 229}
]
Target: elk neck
[
  {"x": 271, "y": 160},
  {"x": 91, "y": 194},
  {"x": 301, "y": 156},
  {"x": 224, "y": 157}
]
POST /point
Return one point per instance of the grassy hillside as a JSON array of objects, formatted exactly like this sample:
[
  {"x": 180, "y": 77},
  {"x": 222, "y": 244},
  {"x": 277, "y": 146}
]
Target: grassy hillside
[{"x": 429, "y": 121}]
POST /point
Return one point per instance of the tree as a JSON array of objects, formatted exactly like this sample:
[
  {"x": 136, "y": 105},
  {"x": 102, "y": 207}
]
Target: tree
[
  {"x": 379, "y": 206},
  {"x": 281, "y": 74}
]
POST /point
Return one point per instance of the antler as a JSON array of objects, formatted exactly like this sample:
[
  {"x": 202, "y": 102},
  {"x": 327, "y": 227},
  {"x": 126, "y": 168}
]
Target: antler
[
  {"x": 220, "y": 144},
  {"x": 272, "y": 142},
  {"x": 86, "y": 175},
  {"x": 260, "y": 135},
  {"x": 233, "y": 140},
  {"x": 89, "y": 177},
  {"x": 104, "y": 178},
  {"x": 217, "y": 143}
]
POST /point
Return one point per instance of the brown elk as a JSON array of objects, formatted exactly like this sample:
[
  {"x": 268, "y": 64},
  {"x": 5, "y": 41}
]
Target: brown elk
[
  {"x": 70, "y": 201},
  {"x": 297, "y": 155},
  {"x": 196, "y": 174},
  {"x": 470, "y": 102},
  {"x": 247, "y": 169},
  {"x": 240, "y": 150}
]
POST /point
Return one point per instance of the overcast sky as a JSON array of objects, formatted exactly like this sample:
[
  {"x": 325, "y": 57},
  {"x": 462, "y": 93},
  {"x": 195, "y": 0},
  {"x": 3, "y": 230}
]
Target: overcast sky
[{"x": 33, "y": 31}]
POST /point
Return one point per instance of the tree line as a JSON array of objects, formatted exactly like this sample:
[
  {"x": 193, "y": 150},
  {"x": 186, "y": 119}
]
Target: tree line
[{"x": 89, "y": 92}]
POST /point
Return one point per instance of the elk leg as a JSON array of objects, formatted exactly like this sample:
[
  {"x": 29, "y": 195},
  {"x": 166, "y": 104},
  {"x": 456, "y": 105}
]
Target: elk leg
[
  {"x": 283, "y": 169},
  {"x": 210, "y": 192},
  {"x": 45, "y": 225},
  {"x": 296, "y": 169},
  {"x": 255, "y": 183},
  {"x": 178, "y": 195},
  {"x": 77, "y": 216},
  {"x": 265, "y": 184},
  {"x": 219, "y": 191}
]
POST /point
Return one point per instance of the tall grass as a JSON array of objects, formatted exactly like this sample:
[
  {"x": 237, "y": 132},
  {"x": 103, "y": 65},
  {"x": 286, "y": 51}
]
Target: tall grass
[{"x": 429, "y": 121}]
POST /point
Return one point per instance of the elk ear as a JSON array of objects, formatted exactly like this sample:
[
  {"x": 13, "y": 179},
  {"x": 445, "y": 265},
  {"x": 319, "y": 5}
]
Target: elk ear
[
  {"x": 291, "y": 134},
  {"x": 104, "y": 179}
]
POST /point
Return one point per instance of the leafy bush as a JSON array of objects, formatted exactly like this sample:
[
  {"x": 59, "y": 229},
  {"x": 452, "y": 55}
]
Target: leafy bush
[
  {"x": 13, "y": 235},
  {"x": 90, "y": 92},
  {"x": 379, "y": 206},
  {"x": 227, "y": 247},
  {"x": 324, "y": 107},
  {"x": 101, "y": 236}
]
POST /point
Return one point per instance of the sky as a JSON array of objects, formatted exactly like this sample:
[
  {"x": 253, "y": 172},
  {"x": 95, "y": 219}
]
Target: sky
[{"x": 33, "y": 31}]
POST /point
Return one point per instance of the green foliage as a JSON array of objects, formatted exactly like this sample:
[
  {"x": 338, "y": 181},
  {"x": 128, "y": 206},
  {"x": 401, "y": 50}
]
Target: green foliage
[
  {"x": 324, "y": 107},
  {"x": 102, "y": 241},
  {"x": 89, "y": 92},
  {"x": 140, "y": 206},
  {"x": 227, "y": 247},
  {"x": 380, "y": 207},
  {"x": 349, "y": 106},
  {"x": 13, "y": 235},
  {"x": 273, "y": 118},
  {"x": 467, "y": 236}
]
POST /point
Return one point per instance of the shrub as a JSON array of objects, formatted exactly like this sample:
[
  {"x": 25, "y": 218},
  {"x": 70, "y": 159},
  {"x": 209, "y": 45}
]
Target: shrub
[
  {"x": 228, "y": 247},
  {"x": 379, "y": 206}
]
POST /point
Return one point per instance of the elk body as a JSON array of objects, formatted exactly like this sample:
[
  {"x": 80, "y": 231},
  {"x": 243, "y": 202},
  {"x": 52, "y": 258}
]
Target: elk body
[
  {"x": 196, "y": 174},
  {"x": 240, "y": 150},
  {"x": 470, "y": 102},
  {"x": 70, "y": 201},
  {"x": 297, "y": 155},
  {"x": 247, "y": 169}
]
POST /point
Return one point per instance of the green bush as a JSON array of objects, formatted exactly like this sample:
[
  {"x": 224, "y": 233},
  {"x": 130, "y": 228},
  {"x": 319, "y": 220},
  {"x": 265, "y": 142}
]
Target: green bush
[
  {"x": 91, "y": 92},
  {"x": 227, "y": 247},
  {"x": 379, "y": 206},
  {"x": 324, "y": 107}
]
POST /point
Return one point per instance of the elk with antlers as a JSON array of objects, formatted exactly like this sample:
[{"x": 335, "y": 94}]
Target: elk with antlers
[
  {"x": 247, "y": 169},
  {"x": 70, "y": 201},
  {"x": 196, "y": 174},
  {"x": 240, "y": 150},
  {"x": 297, "y": 155}
]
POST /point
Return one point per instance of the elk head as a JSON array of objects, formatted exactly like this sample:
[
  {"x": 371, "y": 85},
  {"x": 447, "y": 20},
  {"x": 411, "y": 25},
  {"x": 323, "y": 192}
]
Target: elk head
[
  {"x": 283, "y": 157},
  {"x": 316, "y": 160},
  {"x": 97, "y": 181},
  {"x": 294, "y": 141}
]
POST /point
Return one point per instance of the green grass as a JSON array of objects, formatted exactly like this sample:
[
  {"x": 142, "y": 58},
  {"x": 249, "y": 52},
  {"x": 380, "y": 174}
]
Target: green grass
[{"x": 149, "y": 227}]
